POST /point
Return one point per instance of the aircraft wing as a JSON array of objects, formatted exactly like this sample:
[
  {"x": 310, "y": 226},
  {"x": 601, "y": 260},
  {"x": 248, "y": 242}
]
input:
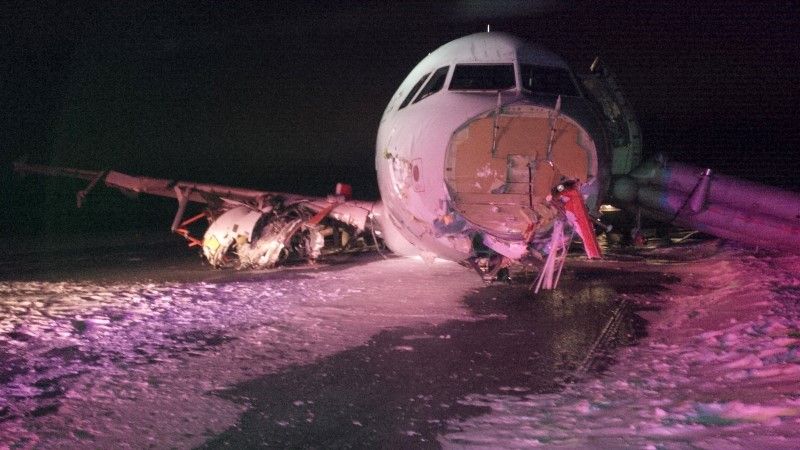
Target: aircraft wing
[
  {"x": 258, "y": 228},
  {"x": 194, "y": 192}
]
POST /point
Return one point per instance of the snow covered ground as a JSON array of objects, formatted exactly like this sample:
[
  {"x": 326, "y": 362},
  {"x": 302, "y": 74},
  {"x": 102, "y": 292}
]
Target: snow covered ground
[
  {"x": 136, "y": 357},
  {"x": 135, "y": 364},
  {"x": 719, "y": 369}
]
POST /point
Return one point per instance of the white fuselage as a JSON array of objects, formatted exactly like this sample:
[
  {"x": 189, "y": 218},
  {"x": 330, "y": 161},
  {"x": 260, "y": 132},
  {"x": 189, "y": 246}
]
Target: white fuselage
[{"x": 430, "y": 144}]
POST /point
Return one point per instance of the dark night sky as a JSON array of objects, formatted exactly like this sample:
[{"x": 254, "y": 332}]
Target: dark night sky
[{"x": 288, "y": 95}]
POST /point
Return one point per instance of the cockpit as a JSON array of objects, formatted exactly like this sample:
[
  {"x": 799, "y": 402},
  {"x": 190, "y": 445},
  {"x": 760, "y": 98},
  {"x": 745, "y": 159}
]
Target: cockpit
[
  {"x": 534, "y": 79},
  {"x": 547, "y": 80},
  {"x": 483, "y": 77}
]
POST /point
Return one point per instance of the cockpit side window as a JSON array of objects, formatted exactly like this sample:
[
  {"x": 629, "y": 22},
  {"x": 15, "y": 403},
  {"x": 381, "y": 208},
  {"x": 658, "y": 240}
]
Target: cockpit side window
[
  {"x": 547, "y": 80},
  {"x": 413, "y": 91},
  {"x": 482, "y": 77},
  {"x": 435, "y": 84}
]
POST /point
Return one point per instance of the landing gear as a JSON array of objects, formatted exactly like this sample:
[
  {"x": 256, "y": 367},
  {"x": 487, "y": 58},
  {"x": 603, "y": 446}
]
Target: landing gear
[{"x": 492, "y": 268}]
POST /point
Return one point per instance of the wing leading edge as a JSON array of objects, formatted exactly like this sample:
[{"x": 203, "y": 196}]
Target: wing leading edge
[{"x": 247, "y": 227}]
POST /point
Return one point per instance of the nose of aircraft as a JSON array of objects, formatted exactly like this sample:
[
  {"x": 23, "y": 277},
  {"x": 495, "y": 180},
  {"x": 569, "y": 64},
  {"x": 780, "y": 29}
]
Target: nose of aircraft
[{"x": 502, "y": 166}]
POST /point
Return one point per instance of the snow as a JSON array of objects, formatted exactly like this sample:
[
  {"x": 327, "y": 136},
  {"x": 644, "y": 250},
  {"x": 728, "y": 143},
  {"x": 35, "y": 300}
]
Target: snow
[
  {"x": 719, "y": 369},
  {"x": 132, "y": 364},
  {"x": 116, "y": 362}
]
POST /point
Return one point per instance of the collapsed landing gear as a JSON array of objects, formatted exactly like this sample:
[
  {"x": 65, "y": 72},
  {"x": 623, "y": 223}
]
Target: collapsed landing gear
[{"x": 491, "y": 268}]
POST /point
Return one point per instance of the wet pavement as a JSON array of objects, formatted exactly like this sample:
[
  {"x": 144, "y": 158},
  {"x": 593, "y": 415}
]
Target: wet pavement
[
  {"x": 399, "y": 389},
  {"x": 162, "y": 259}
]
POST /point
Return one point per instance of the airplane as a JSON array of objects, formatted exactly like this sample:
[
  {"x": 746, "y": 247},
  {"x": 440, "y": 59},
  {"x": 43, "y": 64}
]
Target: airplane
[{"x": 492, "y": 153}]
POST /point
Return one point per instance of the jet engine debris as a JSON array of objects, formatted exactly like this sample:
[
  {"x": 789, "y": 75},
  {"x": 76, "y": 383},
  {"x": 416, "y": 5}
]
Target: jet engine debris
[{"x": 243, "y": 237}]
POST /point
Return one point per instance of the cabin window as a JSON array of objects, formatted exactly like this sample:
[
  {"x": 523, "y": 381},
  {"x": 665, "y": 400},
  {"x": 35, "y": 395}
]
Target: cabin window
[
  {"x": 482, "y": 77},
  {"x": 547, "y": 80},
  {"x": 413, "y": 91},
  {"x": 435, "y": 84}
]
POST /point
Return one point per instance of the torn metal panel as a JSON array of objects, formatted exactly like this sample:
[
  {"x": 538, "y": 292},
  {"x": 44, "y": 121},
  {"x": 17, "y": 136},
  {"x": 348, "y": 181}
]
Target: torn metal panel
[
  {"x": 619, "y": 119},
  {"x": 244, "y": 237},
  {"x": 229, "y": 231},
  {"x": 510, "y": 249},
  {"x": 353, "y": 213},
  {"x": 271, "y": 247}
]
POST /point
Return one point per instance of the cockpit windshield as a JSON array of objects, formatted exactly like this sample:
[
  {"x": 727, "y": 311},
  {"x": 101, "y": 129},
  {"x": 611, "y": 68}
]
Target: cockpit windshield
[
  {"x": 434, "y": 84},
  {"x": 482, "y": 77},
  {"x": 413, "y": 91},
  {"x": 547, "y": 80}
]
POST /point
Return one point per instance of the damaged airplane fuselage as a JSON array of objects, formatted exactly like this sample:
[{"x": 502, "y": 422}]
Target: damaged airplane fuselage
[
  {"x": 492, "y": 152},
  {"x": 479, "y": 140}
]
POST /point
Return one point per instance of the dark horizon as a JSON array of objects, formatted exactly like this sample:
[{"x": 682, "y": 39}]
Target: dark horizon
[{"x": 287, "y": 96}]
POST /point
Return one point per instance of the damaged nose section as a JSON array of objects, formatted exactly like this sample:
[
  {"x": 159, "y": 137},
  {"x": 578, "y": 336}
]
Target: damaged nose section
[
  {"x": 502, "y": 167},
  {"x": 523, "y": 176}
]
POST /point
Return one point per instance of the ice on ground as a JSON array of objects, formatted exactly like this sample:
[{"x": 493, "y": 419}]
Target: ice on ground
[
  {"x": 719, "y": 369},
  {"x": 135, "y": 364}
]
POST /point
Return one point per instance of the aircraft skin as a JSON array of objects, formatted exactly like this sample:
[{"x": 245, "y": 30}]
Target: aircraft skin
[
  {"x": 413, "y": 141},
  {"x": 490, "y": 153}
]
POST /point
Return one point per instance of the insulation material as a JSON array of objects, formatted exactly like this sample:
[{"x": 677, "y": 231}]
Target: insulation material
[{"x": 505, "y": 191}]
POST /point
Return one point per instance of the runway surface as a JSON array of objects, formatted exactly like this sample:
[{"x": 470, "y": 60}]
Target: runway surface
[
  {"x": 142, "y": 346},
  {"x": 134, "y": 343}
]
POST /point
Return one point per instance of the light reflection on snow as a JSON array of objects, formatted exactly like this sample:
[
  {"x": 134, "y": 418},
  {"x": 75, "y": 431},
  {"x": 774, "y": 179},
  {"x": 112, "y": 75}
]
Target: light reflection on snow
[
  {"x": 76, "y": 355},
  {"x": 92, "y": 364},
  {"x": 66, "y": 329},
  {"x": 720, "y": 369}
]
